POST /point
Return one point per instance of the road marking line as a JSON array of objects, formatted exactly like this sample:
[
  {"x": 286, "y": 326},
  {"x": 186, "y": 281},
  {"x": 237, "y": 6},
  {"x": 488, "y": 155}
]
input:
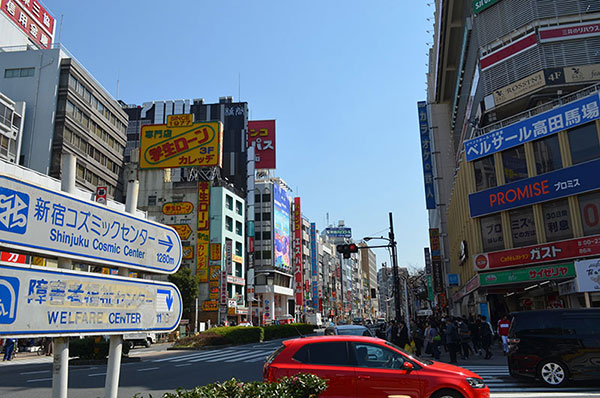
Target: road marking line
[
  {"x": 32, "y": 373},
  {"x": 234, "y": 357},
  {"x": 146, "y": 369},
  {"x": 250, "y": 356},
  {"x": 34, "y": 380},
  {"x": 183, "y": 364},
  {"x": 219, "y": 356},
  {"x": 97, "y": 374},
  {"x": 255, "y": 360}
]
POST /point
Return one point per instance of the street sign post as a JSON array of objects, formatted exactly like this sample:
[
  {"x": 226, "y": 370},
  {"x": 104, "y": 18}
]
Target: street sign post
[
  {"x": 36, "y": 219},
  {"x": 40, "y": 301}
]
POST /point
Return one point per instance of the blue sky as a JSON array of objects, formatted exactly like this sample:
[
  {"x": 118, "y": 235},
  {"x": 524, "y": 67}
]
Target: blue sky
[{"x": 341, "y": 78}]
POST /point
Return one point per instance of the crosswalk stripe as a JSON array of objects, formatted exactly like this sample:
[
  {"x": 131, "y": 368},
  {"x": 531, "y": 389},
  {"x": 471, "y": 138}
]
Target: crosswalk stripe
[
  {"x": 221, "y": 358},
  {"x": 256, "y": 359},
  {"x": 215, "y": 355},
  {"x": 202, "y": 355},
  {"x": 250, "y": 356},
  {"x": 171, "y": 358}
]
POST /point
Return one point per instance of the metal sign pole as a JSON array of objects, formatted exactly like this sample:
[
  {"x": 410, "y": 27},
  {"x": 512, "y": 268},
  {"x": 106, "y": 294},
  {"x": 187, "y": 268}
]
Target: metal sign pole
[
  {"x": 60, "y": 365},
  {"x": 115, "y": 349}
]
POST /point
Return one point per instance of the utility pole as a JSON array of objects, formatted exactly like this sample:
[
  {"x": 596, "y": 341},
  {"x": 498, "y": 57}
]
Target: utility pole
[{"x": 395, "y": 271}]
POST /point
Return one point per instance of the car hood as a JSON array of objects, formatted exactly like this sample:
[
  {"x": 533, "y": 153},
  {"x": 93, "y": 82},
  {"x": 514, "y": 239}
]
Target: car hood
[{"x": 451, "y": 369}]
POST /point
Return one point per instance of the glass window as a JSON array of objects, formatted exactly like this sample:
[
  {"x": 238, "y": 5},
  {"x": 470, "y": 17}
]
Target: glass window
[
  {"x": 238, "y": 249},
  {"x": 515, "y": 166},
  {"x": 27, "y": 72},
  {"x": 557, "y": 220},
  {"x": 239, "y": 208},
  {"x": 536, "y": 324},
  {"x": 491, "y": 233},
  {"x": 485, "y": 173},
  {"x": 266, "y": 216},
  {"x": 152, "y": 200},
  {"x": 266, "y": 254},
  {"x": 583, "y": 141},
  {"x": 547, "y": 154},
  {"x": 238, "y": 228},
  {"x": 330, "y": 353},
  {"x": 257, "y": 255},
  {"x": 266, "y": 235},
  {"x": 229, "y": 202},
  {"x": 266, "y": 197},
  {"x": 522, "y": 226},
  {"x": 229, "y": 223},
  {"x": 374, "y": 356},
  {"x": 257, "y": 198},
  {"x": 589, "y": 207},
  {"x": 582, "y": 325}
]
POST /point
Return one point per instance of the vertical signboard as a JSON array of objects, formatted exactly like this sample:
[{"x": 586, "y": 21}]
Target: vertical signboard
[
  {"x": 313, "y": 263},
  {"x": 281, "y": 229},
  {"x": 203, "y": 242},
  {"x": 427, "y": 261},
  {"x": 229, "y": 256},
  {"x": 426, "y": 154},
  {"x": 262, "y": 134},
  {"x": 436, "y": 260},
  {"x": 223, "y": 289},
  {"x": 298, "y": 251}
]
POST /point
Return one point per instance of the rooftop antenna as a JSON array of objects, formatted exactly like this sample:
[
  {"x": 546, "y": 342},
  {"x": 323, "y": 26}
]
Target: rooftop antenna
[
  {"x": 118, "y": 76},
  {"x": 239, "y": 87},
  {"x": 327, "y": 218},
  {"x": 60, "y": 28}
]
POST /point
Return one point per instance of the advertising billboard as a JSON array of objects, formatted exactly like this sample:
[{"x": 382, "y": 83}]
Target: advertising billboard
[
  {"x": 163, "y": 146},
  {"x": 281, "y": 228},
  {"x": 338, "y": 232},
  {"x": 573, "y": 31},
  {"x": 298, "y": 251},
  {"x": 546, "y": 123},
  {"x": 588, "y": 275},
  {"x": 262, "y": 134},
  {"x": 508, "y": 51},
  {"x": 557, "y": 184},
  {"x": 314, "y": 271},
  {"x": 203, "y": 228},
  {"x": 424, "y": 132},
  {"x": 529, "y": 274},
  {"x": 33, "y": 19},
  {"x": 542, "y": 253}
]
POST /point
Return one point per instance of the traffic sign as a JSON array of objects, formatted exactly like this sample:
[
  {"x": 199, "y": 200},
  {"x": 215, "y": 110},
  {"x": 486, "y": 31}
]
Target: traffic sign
[
  {"x": 40, "y": 301},
  {"x": 36, "y": 219}
]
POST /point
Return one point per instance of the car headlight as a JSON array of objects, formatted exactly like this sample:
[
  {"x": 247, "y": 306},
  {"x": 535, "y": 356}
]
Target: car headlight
[{"x": 475, "y": 382}]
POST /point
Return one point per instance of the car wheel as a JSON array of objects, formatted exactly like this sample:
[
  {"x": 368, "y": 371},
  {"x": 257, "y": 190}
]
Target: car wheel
[
  {"x": 447, "y": 394},
  {"x": 147, "y": 343},
  {"x": 553, "y": 373}
]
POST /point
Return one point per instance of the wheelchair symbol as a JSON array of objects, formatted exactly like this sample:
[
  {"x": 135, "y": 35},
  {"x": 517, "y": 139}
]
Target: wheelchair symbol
[{"x": 9, "y": 288}]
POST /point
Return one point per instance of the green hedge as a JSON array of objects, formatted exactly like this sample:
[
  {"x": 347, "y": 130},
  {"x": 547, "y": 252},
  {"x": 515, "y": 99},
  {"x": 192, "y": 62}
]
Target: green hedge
[
  {"x": 299, "y": 386},
  {"x": 91, "y": 348},
  {"x": 240, "y": 334},
  {"x": 292, "y": 330}
]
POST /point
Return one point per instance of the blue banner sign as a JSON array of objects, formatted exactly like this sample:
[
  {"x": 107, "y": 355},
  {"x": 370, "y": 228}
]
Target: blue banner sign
[
  {"x": 313, "y": 263},
  {"x": 338, "y": 232},
  {"x": 558, "y": 184},
  {"x": 561, "y": 118},
  {"x": 426, "y": 154},
  {"x": 40, "y": 301}
]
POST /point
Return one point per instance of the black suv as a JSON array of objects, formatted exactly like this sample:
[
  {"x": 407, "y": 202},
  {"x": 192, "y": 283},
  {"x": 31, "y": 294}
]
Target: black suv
[{"x": 555, "y": 345}]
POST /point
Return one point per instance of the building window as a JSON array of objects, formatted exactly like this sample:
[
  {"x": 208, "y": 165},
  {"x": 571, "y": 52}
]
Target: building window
[
  {"x": 547, "y": 154},
  {"x": 589, "y": 207},
  {"x": 152, "y": 200},
  {"x": 229, "y": 202},
  {"x": 522, "y": 227},
  {"x": 491, "y": 233},
  {"x": 229, "y": 223},
  {"x": 557, "y": 220},
  {"x": 238, "y": 249},
  {"x": 18, "y": 72},
  {"x": 238, "y": 228},
  {"x": 266, "y": 216},
  {"x": 266, "y": 235},
  {"x": 515, "y": 166},
  {"x": 239, "y": 208},
  {"x": 257, "y": 255},
  {"x": 266, "y": 254},
  {"x": 266, "y": 197},
  {"x": 485, "y": 173},
  {"x": 583, "y": 141},
  {"x": 257, "y": 198}
]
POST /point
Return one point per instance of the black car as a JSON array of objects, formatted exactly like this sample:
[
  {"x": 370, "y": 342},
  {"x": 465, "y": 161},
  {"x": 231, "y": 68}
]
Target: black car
[{"x": 555, "y": 346}]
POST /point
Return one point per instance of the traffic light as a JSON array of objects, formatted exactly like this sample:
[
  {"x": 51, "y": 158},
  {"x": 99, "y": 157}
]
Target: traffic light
[{"x": 347, "y": 249}]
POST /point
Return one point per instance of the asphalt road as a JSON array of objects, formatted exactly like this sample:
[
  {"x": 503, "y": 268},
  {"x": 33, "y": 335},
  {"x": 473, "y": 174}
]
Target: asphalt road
[{"x": 157, "y": 372}]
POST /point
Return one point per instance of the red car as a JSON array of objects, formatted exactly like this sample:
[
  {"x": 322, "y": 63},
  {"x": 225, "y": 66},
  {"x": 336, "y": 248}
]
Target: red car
[{"x": 358, "y": 366}]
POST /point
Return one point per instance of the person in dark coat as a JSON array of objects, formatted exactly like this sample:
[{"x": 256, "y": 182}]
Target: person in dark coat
[
  {"x": 452, "y": 339},
  {"x": 402, "y": 335}
]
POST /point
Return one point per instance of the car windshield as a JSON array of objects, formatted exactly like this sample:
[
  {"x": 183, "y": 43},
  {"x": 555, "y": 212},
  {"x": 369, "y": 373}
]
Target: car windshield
[
  {"x": 422, "y": 360},
  {"x": 351, "y": 331}
]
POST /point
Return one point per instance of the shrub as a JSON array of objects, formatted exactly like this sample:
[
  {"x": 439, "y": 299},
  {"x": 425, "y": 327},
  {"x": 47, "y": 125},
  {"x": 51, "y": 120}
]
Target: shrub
[
  {"x": 240, "y": 334},
  {"x": 201, "y": 340},
  {"x": 299, "y": 386},
  {"x": 292, "y": 330}
]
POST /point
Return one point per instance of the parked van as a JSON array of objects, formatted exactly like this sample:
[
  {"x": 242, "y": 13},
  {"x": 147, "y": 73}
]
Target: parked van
[
  {"x": 143, "y": 339},
  {"x": 555, "y": 346}
]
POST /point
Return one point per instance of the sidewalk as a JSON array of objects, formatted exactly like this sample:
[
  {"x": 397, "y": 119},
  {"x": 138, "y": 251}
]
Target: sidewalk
[{"x": 497, "y": 359}]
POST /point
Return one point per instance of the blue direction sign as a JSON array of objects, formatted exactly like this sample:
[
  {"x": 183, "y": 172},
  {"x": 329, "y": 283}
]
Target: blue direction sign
[
  {"x": 58, "y": 224},
  {"x": 39, "y": 301}
]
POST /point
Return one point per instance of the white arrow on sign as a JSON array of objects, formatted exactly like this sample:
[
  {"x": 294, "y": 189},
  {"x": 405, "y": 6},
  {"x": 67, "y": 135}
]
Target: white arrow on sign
[
  {"x": 40, "y": 301},
  {"x": 61, "y": 225}
]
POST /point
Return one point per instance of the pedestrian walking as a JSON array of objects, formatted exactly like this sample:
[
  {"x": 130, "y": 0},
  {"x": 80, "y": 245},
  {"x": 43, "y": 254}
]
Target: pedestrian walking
[
  {"x": 465, "y": 338},
  {"x": 389, "y": 332},
  {"x": 9, "y": 348},
  {"x": 486, "y": 333},
  {"x": 452, "y": 339},
  {"x": 475, "y": 335},
  {"x": 434, "y": 340},
  {"x": 503, "y": 326},
  {"x": 417, "y": 337},
  {"x": 402, "y": 333}
]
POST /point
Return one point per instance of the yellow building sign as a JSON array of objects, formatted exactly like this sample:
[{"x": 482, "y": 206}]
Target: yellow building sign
[{"x": 162, "y": 146}]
